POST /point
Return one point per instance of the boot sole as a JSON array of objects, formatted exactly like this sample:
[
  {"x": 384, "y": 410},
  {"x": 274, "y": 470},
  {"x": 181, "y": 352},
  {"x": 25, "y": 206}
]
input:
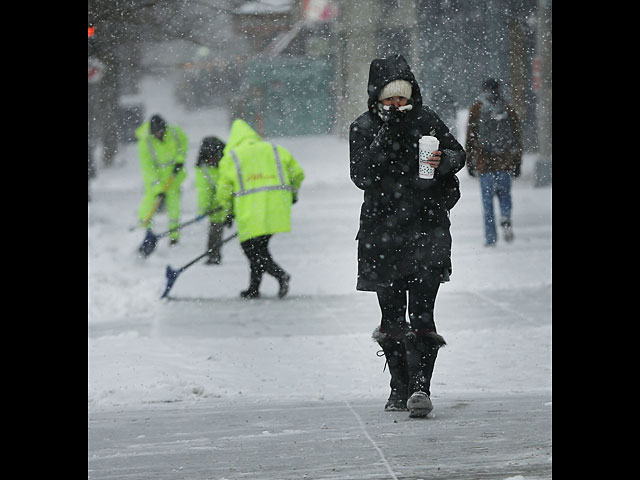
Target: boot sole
[
  {"x": 395, "y": 408},
  {"x": 419, "y": 405}
]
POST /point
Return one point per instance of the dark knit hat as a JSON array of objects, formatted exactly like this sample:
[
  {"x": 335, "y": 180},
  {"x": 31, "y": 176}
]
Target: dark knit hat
[
  {"x": 157, "y": 124},
  {"x": 210, "y": 151}
]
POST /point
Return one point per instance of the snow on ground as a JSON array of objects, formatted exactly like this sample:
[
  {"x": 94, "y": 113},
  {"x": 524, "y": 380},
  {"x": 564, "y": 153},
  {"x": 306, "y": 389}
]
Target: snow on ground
[{"x": 207, "y": 345}]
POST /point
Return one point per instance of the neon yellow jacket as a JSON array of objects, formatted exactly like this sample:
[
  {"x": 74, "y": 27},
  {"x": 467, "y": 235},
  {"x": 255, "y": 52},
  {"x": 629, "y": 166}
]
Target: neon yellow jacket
[
  {"x": 206, "y": 182},
  {"x": 255, "y": 185},
  {"x": 158, "y": 158}
]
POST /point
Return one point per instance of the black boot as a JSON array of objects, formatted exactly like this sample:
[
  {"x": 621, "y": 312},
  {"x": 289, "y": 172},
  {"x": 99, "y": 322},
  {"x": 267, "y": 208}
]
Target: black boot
[
  {"x": 422, "y": 350},
  {"x": 250, "y": 293},
  {"x": 254, "y": 286},
  {"x": 283, "y": 281},
  {"x": 394, "y": 352}
]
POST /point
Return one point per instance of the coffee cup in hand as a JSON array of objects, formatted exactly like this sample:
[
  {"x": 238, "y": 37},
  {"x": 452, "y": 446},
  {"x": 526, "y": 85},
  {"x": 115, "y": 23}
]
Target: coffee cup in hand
[{"x": 426, "y": 146}]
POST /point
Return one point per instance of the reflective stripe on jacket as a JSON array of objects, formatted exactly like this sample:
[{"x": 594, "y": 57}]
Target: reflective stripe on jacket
[
  {"x": 243, "y": 191},
  {"x": 158, "y": 157},
  {"x": 206, "y": 180}
]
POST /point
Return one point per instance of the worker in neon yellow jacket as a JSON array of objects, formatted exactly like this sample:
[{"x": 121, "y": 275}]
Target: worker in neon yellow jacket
[
  {"x": 258, "y": 183},
  {"x": 162, "y": 150},
  {"x": 206, "y": 183}
]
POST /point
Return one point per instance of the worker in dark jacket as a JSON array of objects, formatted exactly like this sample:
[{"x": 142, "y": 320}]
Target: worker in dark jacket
[{"x": 404, "y": 243}]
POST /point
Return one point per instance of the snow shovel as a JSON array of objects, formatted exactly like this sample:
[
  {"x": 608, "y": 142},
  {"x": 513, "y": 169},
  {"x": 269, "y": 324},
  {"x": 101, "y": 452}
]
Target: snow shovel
[
  {"x": 172, "y": 274},
  {"x": 151, "y": 239}
]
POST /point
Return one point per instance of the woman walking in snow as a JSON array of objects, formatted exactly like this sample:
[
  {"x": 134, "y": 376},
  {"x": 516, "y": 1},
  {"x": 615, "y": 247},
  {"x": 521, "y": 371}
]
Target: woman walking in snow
[{"x": 404, "y": 243}]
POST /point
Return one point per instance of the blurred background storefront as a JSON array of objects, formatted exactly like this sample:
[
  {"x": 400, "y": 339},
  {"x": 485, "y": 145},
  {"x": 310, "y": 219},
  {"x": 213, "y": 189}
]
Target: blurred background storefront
[{"x": 300, "y": 67}]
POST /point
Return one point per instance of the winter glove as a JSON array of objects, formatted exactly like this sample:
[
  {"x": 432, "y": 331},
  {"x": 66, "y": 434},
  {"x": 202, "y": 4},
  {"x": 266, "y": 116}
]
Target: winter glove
[
  {"x": 392, "y": 117},
  {"x": 516, "y": 170},
  {"x": 177, "y": 168},
  {"x": 389, "y": 114},
  {"x": 382, "y": 138},
  {"x": 471, "y": 167},
  {"x": 295, "y": 198},
  {"x": 228, "y": 221}
]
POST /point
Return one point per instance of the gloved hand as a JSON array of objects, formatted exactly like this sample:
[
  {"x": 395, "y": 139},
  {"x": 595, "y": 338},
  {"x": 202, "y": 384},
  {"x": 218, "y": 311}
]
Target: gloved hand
[
  {"x": 389, "y": 114},
  {"x": 161, "y": 195},
  {"x": 177, "y": 168},
  {"x": 516, "y": 171},
  {"x": 382, "y": 138},
  {"x": 471, "y": 166},
  {"x": 228, "y": 221}
]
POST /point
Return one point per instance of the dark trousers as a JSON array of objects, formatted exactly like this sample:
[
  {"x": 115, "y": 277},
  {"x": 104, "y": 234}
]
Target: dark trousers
[
  {"x": 421, "y": 301},
  {"x": 260, "y": 260},
  {"x": 213, "y": 242}
]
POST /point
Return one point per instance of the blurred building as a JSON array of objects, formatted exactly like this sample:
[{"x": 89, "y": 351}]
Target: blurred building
[
  {"x": 296, "y": 67},
  {"x": 308, "y": 63}
]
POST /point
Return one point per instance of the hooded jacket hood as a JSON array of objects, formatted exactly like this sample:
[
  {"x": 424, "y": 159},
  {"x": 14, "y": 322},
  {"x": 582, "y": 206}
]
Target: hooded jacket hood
[
  {"x": 143, "y": 130},
  {"x": 210, "y": 152},
  {"x": 241, "y": 132},
  {"x": 385, "y": 70}
]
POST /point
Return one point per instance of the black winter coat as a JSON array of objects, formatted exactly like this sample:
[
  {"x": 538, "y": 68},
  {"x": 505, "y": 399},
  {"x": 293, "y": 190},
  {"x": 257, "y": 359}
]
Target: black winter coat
[{"x": 404, "y": 220}]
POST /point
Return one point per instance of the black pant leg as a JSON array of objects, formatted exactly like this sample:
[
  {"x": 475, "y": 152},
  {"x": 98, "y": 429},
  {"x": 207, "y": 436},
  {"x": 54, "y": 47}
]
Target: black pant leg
[
  {"x": 393, "y": 306},
  {"x": 422, "y": 299},
  {"x": 269, "y": 264},
  {"x": 260, "y": 260},
  {"x": 252, "y": 250}
]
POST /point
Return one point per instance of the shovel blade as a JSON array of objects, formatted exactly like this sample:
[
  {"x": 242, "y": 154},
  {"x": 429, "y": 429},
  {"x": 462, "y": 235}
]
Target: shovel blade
[
  {"x": 148, "y": 244},
  {"x": 171, "y": 275}
]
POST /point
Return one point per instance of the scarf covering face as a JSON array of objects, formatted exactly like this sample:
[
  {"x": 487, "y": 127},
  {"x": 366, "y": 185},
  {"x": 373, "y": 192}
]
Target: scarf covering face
[{"x": 387, "y": 112}]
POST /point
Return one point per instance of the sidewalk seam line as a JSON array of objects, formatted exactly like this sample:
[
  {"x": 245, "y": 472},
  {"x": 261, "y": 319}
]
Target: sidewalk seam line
[{"x": 384, "y": 460}]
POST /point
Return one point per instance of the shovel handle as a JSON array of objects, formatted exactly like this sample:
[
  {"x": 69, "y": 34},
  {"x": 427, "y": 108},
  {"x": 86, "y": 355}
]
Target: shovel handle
[
  {"x": 188, "y": 222},
  {"x": 156, "y": 202},
  {"x": 199, "y": 257}
]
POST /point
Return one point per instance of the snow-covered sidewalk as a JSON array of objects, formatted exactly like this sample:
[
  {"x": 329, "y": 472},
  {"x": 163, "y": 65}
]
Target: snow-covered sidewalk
[{"x": 206, "y": 352}]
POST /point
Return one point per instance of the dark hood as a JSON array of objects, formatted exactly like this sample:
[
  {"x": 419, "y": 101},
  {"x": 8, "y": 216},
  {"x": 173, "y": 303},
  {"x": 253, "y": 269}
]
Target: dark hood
[
  {"x": 385, "y": 70},
  {"x": 210, "y": 151}
]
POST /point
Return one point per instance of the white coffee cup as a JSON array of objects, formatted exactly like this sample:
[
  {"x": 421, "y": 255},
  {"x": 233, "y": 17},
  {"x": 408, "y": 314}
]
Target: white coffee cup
[{"x": 426, "y": 146}]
